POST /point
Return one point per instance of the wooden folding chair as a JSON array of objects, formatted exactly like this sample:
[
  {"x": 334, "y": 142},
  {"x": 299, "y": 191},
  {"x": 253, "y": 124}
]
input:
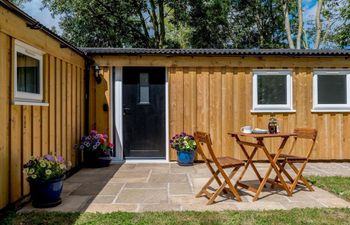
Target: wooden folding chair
[
  {"x": 221, "y": 163},
  {"x": 284, "y": 159}
]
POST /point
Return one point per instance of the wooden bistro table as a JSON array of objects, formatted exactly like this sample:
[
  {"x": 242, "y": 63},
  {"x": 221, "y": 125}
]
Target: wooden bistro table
[{"x": 259, "y": 144}]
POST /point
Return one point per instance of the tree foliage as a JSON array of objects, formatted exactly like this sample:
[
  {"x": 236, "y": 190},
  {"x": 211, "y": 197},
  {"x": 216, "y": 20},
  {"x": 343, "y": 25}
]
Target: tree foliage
[
  {"x": 202, "y": 23},
  {"x": 257, "y": 24}
]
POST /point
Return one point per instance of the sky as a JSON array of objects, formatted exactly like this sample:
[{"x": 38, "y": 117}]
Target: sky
[{"x": 33, "y": 8}]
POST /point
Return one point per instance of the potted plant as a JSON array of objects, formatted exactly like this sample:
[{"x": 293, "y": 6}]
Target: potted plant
[
  {"x": 185, "y": 146},
  {"x": 45, "y": 176},
  {"x": 96, "y": 149}
]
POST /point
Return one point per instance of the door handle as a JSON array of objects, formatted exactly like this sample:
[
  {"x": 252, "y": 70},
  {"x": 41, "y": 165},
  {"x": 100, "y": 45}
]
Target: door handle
[{"x": 126, "y": 111}]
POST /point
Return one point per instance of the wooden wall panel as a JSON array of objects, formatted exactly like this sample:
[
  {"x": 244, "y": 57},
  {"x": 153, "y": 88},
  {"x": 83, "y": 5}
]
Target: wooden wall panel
[
  {"x": 64, "y": 111},
  {"x": 223, "y": 100},
  {"x": 58, "y": 112},
  {"x": 16, "y": 153},
  {"x": 27, "y": 148},
  {"x": 52, "y": 105},
  {"x": 74, "y": 112},
  {"x": 4, "y": 119},
  {"x": 177, "y": 118},
  {"x": 69, "y": 112},
  {"x": 38, "y": 130},
  {"x": 45, "y": 119}
]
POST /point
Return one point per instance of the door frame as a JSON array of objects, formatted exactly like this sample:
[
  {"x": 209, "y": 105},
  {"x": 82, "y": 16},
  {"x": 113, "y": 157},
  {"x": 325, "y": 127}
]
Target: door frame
[{"x": 116, "y": 116}]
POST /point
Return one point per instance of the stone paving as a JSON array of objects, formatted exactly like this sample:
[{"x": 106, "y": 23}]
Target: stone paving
[{"x": 168, "y": 186}]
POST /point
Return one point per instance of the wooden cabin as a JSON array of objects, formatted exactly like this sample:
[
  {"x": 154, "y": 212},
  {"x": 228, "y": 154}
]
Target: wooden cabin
[
  {"x": 219, "y": 91},
  {"x": 52, "y": 93},
  {"x": 41, "y": 97}
]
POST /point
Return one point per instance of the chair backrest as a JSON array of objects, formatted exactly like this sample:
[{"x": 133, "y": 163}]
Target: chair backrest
[
  {"x": 201, "y": 139},
  {"x": 306, "y": 133}
]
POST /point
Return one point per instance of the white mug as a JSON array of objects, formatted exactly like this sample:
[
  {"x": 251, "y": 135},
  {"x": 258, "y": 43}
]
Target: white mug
[{"x": 246, "y": 129}]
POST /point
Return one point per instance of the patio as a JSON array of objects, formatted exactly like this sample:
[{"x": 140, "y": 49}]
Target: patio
[{"x": 164, "y": 187}]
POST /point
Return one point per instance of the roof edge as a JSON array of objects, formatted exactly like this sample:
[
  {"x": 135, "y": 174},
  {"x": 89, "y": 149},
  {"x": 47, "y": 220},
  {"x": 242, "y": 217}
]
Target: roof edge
[
  {"x": 217, "y": 52},
  {"x": 14, "y": 9}
]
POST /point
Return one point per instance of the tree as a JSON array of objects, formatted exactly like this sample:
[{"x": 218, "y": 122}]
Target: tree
[
  {"x": 207, "y": 21},
  {"x": 112, "y": 23},
  {"x": 318, "y": 31},
  {"x": 341, "y": 36},
  {"x": 256, "y": 24}
]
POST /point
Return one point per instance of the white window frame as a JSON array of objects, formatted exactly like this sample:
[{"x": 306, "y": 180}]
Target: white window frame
[
  {"x": 288, "y": 107},
  {"x": 330, "y": 107},
  {"x": 36, "y": 54}
]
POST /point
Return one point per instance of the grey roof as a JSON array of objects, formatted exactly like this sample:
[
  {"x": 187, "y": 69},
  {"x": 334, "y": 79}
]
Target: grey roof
[
  {"x": 34, "y": 24},
  {"x": 215, "y": 52}
]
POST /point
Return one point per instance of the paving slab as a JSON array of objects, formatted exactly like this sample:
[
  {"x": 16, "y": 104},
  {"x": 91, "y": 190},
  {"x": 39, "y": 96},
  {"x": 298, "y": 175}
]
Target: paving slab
[
  {"x": 142, "y": 196},
  {"x": 169, "y": 187},
  {"x": 180, "y": 189}
]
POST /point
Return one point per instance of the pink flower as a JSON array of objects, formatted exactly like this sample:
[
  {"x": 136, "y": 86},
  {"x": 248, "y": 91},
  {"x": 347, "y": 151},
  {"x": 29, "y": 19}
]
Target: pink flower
[{"x": 110, "y": 145}]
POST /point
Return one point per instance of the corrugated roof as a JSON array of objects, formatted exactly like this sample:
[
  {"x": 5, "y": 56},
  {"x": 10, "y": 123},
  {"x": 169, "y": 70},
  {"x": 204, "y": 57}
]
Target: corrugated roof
[
  {"x": 215, "y": 52},
  {"x": 37, "y": 25}
]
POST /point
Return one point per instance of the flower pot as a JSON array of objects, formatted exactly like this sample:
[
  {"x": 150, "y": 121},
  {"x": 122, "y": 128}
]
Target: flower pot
[
  {"x": 185, "y": 158},
  {"x": 45, "y": 194},
  {"x": 103, "y": 161},
  {"x": 95, "y": 160}
]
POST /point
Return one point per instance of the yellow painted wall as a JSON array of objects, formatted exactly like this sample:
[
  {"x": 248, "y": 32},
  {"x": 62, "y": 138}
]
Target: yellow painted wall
[{"x": 37, "y": 130}]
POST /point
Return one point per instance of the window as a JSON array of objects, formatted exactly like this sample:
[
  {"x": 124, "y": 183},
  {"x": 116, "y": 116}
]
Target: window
[
  {"x": 272, "y": 90},
  {"x": 144, "y": 88},
  {"x": 28, "y": 73},
  {"x": 331, "y": 90}
]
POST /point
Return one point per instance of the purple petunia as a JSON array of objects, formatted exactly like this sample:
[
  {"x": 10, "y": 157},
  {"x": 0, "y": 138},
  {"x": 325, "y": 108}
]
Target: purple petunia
[
  {"x": 60, "y": 159},
  {"x": 49, "y": 157}
]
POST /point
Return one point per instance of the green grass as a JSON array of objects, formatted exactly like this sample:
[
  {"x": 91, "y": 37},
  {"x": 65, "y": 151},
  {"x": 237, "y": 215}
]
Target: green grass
[
  {"x": 295, "y": 216},
  {"x": 337, "y": 185}
]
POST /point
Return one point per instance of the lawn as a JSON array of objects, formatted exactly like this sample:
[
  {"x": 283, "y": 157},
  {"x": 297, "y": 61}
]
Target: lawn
[
  {"x": 337, "y": 185},
  {"x": 295, "y": 216}
]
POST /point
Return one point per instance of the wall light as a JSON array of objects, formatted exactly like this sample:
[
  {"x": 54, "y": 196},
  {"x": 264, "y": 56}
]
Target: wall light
[{"x": 97, "y": 74}]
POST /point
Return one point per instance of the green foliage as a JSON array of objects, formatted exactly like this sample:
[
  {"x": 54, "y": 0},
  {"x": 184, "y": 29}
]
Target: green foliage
[
  {"x": 257, "y": 24},
  {"x": 45, "y": 168},
  {"x": 275, "y": 217},
  {"x": 194, "y": 23},
  {"x": 341, "y": 35},
  {"x": 183, "y": 142}
]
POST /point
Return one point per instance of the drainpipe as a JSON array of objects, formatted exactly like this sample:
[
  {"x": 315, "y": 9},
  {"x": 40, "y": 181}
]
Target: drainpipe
[{"x": 88, "y": 63}]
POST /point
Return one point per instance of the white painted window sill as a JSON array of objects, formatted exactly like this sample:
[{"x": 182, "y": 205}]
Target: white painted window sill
[
  {"x": 17, "y": 102},
  {"x": 330, "y": 110},
  {"x": 273, "y": 111}
]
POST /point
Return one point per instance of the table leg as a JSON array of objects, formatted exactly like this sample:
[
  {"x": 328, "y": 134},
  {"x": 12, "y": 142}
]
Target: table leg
[
  {"x": 249, "y": 161},
  {"x": 272, "y": 166}
]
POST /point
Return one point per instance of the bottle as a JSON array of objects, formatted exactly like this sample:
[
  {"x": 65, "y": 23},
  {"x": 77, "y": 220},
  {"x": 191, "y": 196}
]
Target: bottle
[{"x": 272, "y": 126}]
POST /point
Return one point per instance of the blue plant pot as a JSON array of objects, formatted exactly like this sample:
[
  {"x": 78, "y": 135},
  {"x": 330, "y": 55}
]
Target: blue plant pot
[
  {"x": 185, "y": 158},
  {"x": 46, "y": 194}
]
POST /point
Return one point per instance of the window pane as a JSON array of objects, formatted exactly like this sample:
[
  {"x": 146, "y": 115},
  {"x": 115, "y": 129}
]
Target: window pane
[
  {"x": 144, "y": 88},
  {"x": 28, "y": 77},
  {"x": 331, "y": 89},
  {"x": 272, "y": 89}
]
